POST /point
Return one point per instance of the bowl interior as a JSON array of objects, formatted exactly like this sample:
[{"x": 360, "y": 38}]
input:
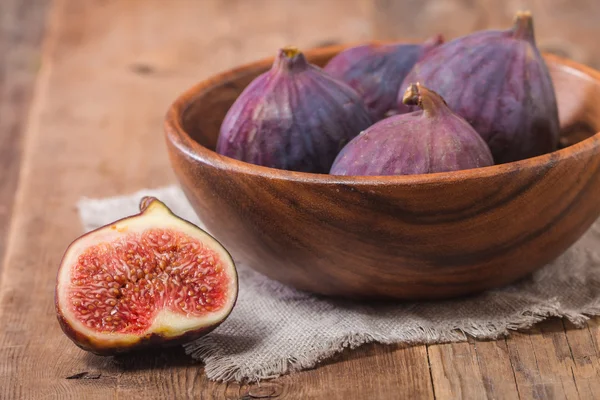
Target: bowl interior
[{"x": 577, "y": 90}]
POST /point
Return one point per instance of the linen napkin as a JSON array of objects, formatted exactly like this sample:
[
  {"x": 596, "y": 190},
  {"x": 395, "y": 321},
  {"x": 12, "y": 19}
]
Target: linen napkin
[{"x": 274, "y": 329}]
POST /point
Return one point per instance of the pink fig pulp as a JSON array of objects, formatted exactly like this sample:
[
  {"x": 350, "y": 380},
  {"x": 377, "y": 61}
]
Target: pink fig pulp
[{"x": 151, "y": 279}]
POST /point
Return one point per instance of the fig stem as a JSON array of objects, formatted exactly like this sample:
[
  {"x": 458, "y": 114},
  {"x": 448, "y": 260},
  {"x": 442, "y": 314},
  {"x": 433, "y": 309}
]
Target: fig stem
[
  {"x": 290, "y": 51},
  {"x": 523, "y": 26},
  {"x": 433, "y": 41},
  {"x": 290, "y": 59},
  {"x": 145, "y": 202},
  {"x": 429, "y": 101}
]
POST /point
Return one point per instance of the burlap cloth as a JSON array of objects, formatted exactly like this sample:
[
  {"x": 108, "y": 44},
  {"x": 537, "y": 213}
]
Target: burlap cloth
[{"x": 274, "y": 329}]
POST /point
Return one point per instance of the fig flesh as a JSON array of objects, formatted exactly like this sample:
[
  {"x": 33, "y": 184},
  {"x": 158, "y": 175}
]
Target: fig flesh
[
  {"x": 433, "y": 139},
  {"x": 294, "y": 117},
  {"x": 499, "y": 82},
  {"x": 376, "y": 71},
  {"x": 148, "y": 280}
]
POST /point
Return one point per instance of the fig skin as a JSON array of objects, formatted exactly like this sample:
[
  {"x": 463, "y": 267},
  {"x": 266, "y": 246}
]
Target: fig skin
[
  {"x": 376, "y": 71},
  {"x": 150, "y": 341},
  {"x": 431, "y": 140},
  {"x": 294, "y": 117},
  {"x": 158, "y": 339},
  {"x": 499, "y": 82}
]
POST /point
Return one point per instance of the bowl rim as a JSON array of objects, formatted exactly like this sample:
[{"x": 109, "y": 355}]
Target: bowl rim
[{"x": 180, "y": 139}]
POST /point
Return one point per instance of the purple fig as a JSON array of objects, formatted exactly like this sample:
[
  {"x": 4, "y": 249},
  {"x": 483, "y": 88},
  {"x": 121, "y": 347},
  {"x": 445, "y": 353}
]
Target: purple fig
[
  {"x": 376, "y": 71},
  {"x": 294, "y": 117},
  {"x": 433, "y": 139},
  {"x": 498, "y": 82}
]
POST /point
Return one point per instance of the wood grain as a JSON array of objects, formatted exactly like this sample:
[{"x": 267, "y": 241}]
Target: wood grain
[
  {"x": 496, "y": 369},
  {"x": 455, "y": 371},
  {"x": 392, "y": 372},
  {"x": 585, "y": 367},
  {"x": 543, "y": 364},
  {"x": 472, "y": 370},
  {"x": 21, "y": 28},
  {"x": 110, "y": 70}
]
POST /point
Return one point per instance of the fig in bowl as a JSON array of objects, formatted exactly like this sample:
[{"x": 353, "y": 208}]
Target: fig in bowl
[
  {"x": 498, "y": 81},
  {"x": 295, "y": 116},
  {"x": 433, "y": 139},
  {"x": 376, "y": 71},
  {"x": 421, "y": 236}
]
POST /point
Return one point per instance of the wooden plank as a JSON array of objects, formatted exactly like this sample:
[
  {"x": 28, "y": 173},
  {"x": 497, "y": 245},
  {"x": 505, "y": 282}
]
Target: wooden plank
[
  {"x": 477, "y": 369},
  {"x": 110, "y": 71},
  {"x": 542, "y": 363},
  {"x": 594, "y": 329},
  {"x": 586, "y": 361},
  {"x": 496, "y": 369},
  {"x": 548, "y": 361},
  {"x": 455, "y": 372},
  {"x": 472, "y": 370},
  {"x": 372, "y": 371},
  {"x": 22, "y": 23}
]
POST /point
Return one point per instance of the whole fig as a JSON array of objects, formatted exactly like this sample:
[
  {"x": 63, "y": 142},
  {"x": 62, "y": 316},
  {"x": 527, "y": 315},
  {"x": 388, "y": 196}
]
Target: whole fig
[
  {"x": 294, "y": 117},
  {"x": 498, "y": 82},
  {"x": 376, "y": 71},
  {"x": 433, "y": 139}
]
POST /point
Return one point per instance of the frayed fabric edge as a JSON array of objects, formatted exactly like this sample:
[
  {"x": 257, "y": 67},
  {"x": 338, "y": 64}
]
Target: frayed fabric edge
[{"x": 222, "y": 368}]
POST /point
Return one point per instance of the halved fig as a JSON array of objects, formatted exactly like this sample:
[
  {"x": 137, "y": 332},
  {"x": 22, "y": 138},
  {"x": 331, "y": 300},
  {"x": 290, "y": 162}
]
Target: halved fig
[{"x": 152, "y": 279}]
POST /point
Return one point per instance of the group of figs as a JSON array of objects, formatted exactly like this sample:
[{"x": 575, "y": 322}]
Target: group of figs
[
  {"x": 397, "y": 109},
  {"x": 154, "y": 279}
]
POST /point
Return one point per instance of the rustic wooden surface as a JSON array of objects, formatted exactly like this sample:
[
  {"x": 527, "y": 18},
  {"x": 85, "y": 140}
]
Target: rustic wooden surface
[
  {"x": 21, "y": 27},
  {"x": 109, "y": 70}
]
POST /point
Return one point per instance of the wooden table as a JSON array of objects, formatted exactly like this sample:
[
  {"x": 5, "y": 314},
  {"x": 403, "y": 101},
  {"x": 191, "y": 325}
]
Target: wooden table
[{"x": 88, "y": 122}]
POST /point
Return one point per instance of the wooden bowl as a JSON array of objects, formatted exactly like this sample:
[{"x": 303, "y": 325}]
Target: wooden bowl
[{"x": 405, "y": 237}]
